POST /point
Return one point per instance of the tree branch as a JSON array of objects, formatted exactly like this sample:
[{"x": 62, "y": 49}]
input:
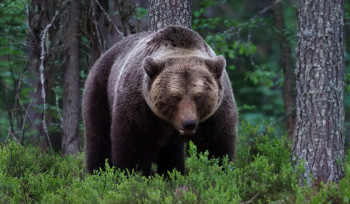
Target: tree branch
[
  {"x": 102, "y": 47},
  {"x": 58, "y": 108},
  {"x": 279, "y": 120},
  {"x": 42, "y": 77},
  {"x": 25, "y": 117},
  {"x": 251, "y": 200},
  {"x": 109, "y": 19}
]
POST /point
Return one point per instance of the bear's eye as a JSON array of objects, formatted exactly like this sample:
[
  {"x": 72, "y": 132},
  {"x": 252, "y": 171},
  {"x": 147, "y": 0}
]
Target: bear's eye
[
  {"x": 175, "y": 98},
  {"x": 199, "y": 100}
]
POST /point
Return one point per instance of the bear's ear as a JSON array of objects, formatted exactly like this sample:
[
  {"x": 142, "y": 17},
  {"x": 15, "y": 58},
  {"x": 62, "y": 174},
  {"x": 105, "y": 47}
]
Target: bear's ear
[
  {"x": 152, "y": 66},
  {"x": 216, "y": 66}
]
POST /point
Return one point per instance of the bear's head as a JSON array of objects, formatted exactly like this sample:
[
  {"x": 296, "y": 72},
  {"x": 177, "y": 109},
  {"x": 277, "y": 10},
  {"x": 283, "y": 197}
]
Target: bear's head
[{"x": 183, "y": 91}]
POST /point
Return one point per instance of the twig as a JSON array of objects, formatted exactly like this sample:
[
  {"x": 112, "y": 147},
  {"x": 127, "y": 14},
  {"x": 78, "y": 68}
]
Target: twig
[
  {"x": 26, "y": 114},
  {"x": 13, "y": 137},
  {"x": 17, "y": 99},
  {"x": 109, "y": 19},
  {"x": 29, "y": 28},
  {"x": 251, "y": 200},
  {"x": 13, "y": 114},
  {"x": 277, "y": 121},
  {"x": 264, "y": 10},
  {"x": 228, "y": 33},
  {"x": 102, "y": 47},
  {"x": 10, "y": 131},
  {"x": 58, "y": 108},
  {"x": 42, "y": 78},
  {"x": 277, "y": 1},
  {"x": 18, "y": 43},
  {"x": 11, "y": 70},
  {"x": 249, "y": 39}
]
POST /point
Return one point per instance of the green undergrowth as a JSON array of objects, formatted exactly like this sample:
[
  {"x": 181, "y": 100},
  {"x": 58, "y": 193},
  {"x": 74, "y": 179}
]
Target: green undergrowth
[{"x": 261, "y": 173}]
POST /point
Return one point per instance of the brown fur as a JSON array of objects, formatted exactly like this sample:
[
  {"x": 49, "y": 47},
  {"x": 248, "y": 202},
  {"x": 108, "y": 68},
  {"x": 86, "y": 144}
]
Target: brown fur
[{"x": 141, "y": 93}]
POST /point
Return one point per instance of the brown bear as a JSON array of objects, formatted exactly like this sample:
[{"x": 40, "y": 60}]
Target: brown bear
[{"x": 150, "y": 93}]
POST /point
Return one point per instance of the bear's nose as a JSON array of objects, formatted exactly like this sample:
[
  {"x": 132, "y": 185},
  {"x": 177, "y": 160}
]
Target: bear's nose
[{"x": 189, "y": 125}]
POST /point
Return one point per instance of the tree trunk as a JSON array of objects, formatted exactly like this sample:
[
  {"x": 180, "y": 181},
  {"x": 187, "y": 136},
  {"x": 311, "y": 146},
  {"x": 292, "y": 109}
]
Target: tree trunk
[
  {"x": 288, "y": 67},
  {"x": 164, "y": 13},
  {"x": 126, "y": 9},
  {"x": 39, "y": 14},
  {"x": 91, "y": 16},
  {"x": 319, "y": 135},
  {"x": 71, "y": 92}
]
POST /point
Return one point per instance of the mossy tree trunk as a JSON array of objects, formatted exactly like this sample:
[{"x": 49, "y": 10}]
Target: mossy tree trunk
[
  {"x": 319, "y": 134},
  {"x": 163, "y": 13}
]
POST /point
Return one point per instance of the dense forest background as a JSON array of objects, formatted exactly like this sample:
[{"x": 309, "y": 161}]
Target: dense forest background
[
  {"x": 247, "y": 33},
  {"x": 48, "y": 47}
]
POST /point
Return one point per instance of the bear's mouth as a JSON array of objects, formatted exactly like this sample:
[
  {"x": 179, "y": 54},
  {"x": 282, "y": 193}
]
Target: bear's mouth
[{"x": 186, "y": 132}]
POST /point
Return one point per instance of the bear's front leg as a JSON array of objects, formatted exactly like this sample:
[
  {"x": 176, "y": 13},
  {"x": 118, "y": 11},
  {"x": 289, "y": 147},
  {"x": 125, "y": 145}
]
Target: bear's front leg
[
  {"x": 217, "y": 134},
  {"x": 172, "y": 157},
  {"x": 130, "y": 150}
]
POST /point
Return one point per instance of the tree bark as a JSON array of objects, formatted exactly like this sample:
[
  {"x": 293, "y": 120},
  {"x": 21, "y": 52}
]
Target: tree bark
[
  {"x": 163, "y": 13},
  {"x": 71, "y": 92},
  {"x": 319, "y": 135},
  {"x": 288, "y": 67}
]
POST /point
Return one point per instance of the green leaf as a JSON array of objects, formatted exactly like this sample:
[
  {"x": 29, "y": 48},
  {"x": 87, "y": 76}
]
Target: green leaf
[
  {"x": 232, "y": 67},
  {"x": 196, "y": 14},
  {"x": 231, "y": 54}
]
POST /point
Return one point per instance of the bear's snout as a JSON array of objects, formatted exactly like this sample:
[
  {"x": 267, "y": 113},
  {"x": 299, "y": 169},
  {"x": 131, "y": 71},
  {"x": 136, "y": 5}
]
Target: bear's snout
[
  {"x": 187, "y": 119},
  {"x": 189, "y": 125}
]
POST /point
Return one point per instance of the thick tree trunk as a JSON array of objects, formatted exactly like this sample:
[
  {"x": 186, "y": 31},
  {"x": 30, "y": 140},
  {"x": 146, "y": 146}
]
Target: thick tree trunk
[
  {"x": 163, "y": 13},
  {"x": 71, "y": 93},
  {"x": 319, "y": 135},
  {"x": 288, "y": 67}
]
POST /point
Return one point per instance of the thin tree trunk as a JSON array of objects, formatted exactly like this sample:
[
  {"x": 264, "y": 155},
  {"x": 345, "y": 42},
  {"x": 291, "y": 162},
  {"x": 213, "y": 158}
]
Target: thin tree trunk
[
  {"x": 71, "y": 93},
  {"x": 39, "y": 14},
  {"x": 91, "y": 19},
  {"x": 288, "y": 67},
  {"x": 319, "y": 135},
  {"x": 126, "y": 9},
  {"x": 163, "y": 13}
]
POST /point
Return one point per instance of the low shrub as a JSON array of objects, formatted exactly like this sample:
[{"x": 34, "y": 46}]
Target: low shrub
[{"x": 261, "y": 173}]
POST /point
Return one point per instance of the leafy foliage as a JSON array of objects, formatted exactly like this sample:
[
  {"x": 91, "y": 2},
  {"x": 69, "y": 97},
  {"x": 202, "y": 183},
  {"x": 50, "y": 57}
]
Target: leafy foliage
[
  {"x": 252, "y": 54},
  {"x": 261, "y": 172},
  {"x": 12, "y": 43}
]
